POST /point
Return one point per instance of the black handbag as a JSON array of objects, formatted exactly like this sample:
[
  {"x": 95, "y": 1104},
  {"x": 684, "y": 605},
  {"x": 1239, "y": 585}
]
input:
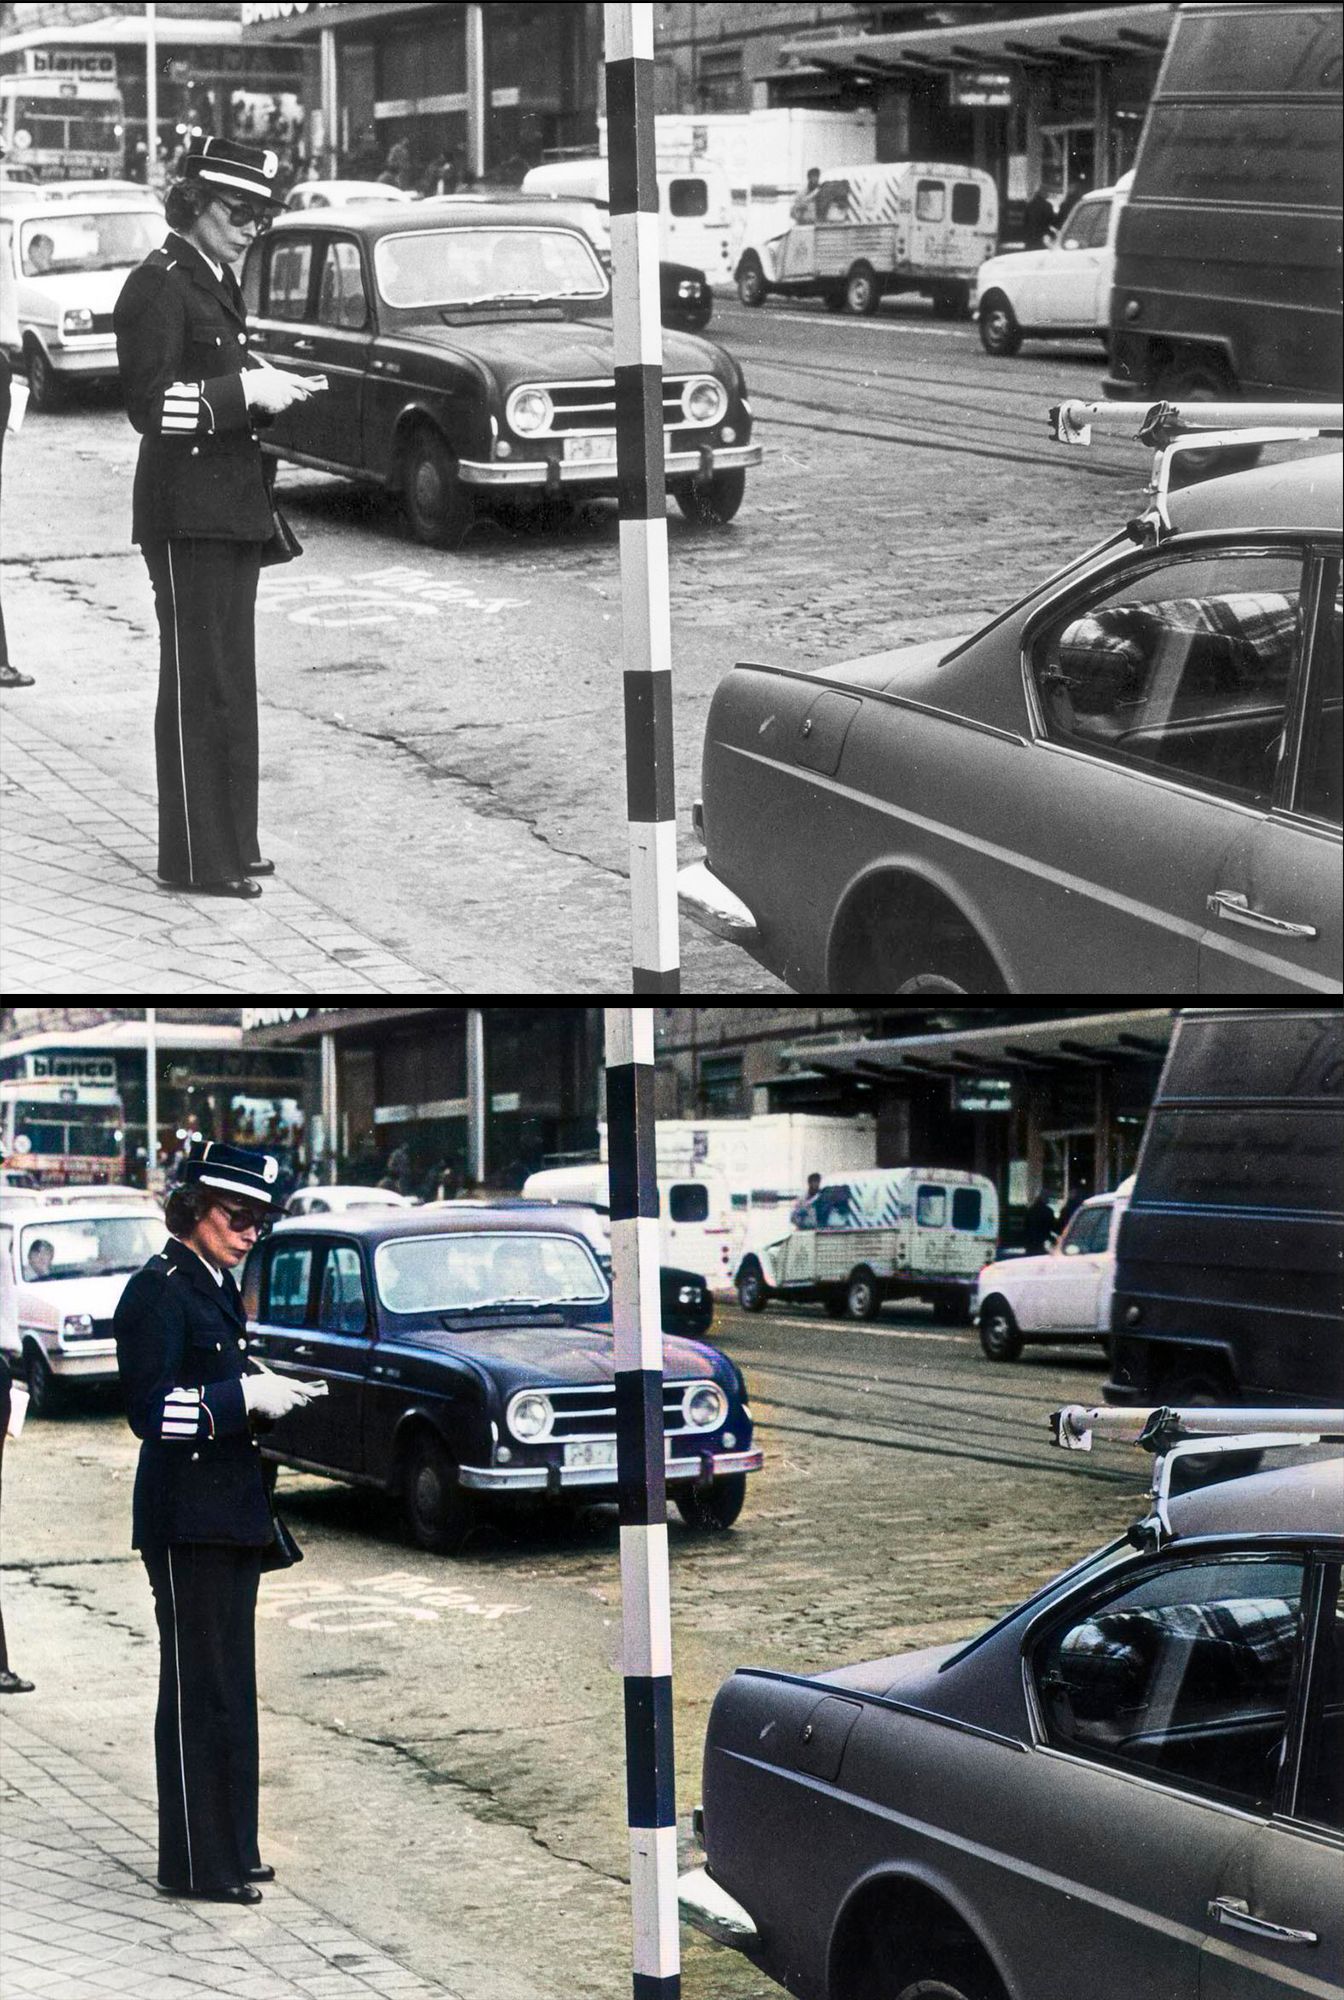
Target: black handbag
[
  {"x": 284, "y": 544},
  {"x": 283, "y": 1552}
]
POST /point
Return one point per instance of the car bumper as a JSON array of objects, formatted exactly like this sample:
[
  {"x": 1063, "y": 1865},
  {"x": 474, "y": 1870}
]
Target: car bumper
[
  {"x": 555, "y": 472},
  {"x": 99, "y": 357},
  {"x": 542, "y": 1478},
  {"x": 86, "y": 1360},
  {"x": 707, "y": 902},
  {"x": 713, "y": 1911}
]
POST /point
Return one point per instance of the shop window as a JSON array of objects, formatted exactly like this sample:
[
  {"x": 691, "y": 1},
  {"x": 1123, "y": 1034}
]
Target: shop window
[{"x": 720, "y": 1085}]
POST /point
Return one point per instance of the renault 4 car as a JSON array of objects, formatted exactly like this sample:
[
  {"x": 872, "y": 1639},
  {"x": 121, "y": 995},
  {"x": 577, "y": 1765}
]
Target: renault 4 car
[
  {"x": 62, "y": 1271},
  {"x": 64, "y": 263}
]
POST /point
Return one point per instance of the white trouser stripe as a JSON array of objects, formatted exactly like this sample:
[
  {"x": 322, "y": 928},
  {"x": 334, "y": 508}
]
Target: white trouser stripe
[
  {"x": 181, "y": 747},
  {"x": 181, "y": 1745}
]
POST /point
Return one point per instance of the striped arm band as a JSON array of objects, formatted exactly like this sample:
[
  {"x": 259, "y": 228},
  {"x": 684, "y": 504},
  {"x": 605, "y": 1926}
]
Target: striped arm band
[
  {"x": 182, "y": 1413},
  {"x": 182, "y": 403}
]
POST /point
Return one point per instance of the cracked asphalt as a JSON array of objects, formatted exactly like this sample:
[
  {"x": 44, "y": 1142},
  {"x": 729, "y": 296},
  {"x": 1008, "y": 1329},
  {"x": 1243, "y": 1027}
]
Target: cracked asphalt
[
  {"x": 442, "y": 735},
  {"x": 442, "y": 1751}
]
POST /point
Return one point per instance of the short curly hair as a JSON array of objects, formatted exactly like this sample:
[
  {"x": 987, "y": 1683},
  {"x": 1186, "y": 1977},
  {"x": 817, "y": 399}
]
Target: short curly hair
[
  {"x": 185, "y": 1207},
  {"x": 185, "y": 201}
]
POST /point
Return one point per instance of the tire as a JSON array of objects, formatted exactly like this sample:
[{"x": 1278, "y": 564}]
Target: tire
[
  {"x": 439, "y": 1512},
  {"x": 438, "y": 507},
  {"x": 45, "y": 387},
  {"x": 47, "y": 1396},
  {"x": 717, "y": 1509},
  {"x": 936, "y": 1986},
  {"x": 751, "y": 285},
  {"x": 753, "y": 1293},
  {"x": 952, "y": 1308},
  {"x": 1203, "y": 382},
  {"x": 863, "y": 1295},
  {"x": 1000, "y": 333},
  {"x": 714, "y": 505},
  {"x": 1000, "y": 1337},
  {"x": 863, "y": 294}
]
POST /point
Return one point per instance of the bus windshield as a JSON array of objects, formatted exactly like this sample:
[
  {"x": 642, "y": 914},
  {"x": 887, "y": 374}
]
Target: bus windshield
[{"x": 83, "y": 1130}]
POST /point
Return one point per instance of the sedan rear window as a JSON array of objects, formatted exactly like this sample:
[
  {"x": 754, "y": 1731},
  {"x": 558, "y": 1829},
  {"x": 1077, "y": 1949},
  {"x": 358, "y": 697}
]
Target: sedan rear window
[
  {"x": 421, "y": 1274},
  {"x": 446, "y": 267}
]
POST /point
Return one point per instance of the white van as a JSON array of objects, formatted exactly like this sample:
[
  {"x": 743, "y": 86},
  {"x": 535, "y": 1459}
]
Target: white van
[
  {"x": 695, "y": 1216},
  {"x": 905, "y": 226},
  {"x": 894, "y": 1232},
  {"x": 62, "y": 1271},
  {"x": 695, "y": 209}
]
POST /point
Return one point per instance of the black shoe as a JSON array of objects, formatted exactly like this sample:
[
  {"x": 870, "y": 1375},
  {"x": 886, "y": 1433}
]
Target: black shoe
[
  {"x": 226, "y": 1892},
  {"x": 11, "y": 1684},
  {"x": 10, "y": 677},
  {"x": 259, "y": 868},
  {"x": 241, "y": 886},
  {"x": 263, "y": 1873}
]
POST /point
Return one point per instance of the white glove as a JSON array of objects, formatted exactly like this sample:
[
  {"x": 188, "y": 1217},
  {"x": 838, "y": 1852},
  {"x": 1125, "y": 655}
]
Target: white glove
[
  {"x": 273, "y": 389},
  {"x": 276, "y": 1395}
]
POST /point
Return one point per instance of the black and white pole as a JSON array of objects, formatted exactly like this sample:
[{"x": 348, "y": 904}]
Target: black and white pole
[
  {"x": 646, "y": 1612},
  {"x": 650, "y": 790}
]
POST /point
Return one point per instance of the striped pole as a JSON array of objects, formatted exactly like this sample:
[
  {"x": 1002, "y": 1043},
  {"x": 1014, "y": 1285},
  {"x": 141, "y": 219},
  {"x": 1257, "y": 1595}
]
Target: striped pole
[
  {"x": 646, "y": 1616},
  {"x": 650, "y": 789}
]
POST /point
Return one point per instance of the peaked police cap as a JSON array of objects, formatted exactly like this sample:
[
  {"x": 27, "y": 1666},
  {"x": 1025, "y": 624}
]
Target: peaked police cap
[
  {"x": 233, "y": 169},
  {"x": 234, "y": 1170}
]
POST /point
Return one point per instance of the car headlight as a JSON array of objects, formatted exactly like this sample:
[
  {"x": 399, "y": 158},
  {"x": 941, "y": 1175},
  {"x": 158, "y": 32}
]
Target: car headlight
[
  {"x": 77, "y": 1326},
  {"x": 689, "y": 288},
  {"x": 529, "y": 411},
  {"x": 689, "y": 1295},
  {"x": 704, "y": 400},
  {"x": 705, "y": 1406},
  {"x": 530, "y": 1416},
  {"x": 80, "y": 320}
]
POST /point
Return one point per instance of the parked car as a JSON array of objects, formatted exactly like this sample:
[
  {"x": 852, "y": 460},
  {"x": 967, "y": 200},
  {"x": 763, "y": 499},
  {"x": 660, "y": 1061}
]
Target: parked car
[
  {"x": 62, "y": 1271},
  {"x": 695, "y": 208},
  {"x": 1228, "y": 1266},
  {"x": 338, "y": 194},
  {"x": 102, "y": 192},
  {"x": 1064, "y": 1294},
  {"x": 334, "y": 1200},
  {"x": 469, "y": 1357},
  {"x": 66, "y": 262},
  {"x": 1104, "y": 775},
  {"x": 695, "y": 1214},
  {"x": 1131, "y": 1785},
  {"x": 468, "y": 353},
  {"x": 893, "y": 1233},
  {"x": 1062, "y": 290}
]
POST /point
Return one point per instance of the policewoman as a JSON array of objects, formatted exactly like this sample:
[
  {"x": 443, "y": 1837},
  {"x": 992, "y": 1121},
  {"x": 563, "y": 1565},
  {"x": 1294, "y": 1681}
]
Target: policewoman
[
  {"x": 202, "y": 1519},
  {"x": 201, "y": 511}
]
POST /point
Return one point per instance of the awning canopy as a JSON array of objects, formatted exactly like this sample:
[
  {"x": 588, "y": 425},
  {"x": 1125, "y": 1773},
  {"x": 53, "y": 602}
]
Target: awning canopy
[
  {"x": 1039, "y": 1047},
  {"x": 1031, "y": 41}
]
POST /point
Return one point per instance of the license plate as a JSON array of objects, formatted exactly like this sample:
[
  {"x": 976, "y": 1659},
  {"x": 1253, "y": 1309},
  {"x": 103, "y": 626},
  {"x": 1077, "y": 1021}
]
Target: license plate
[
  {"x": 597, "y": 1453},
  {"x": 587, "y": 450}
]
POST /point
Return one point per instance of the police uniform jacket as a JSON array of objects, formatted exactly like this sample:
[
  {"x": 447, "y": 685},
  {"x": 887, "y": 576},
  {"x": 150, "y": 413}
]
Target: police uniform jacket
[
  {"x": 182, "y": 347},
  {"x": 181, "y": 1346}
]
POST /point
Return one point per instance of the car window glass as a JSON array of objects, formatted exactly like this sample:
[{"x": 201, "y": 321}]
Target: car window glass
[
  {"x": 454, "y": 266},
  {"x": 1319, "y": 773},
  {"x": 287, "y": 1288},
  {"x": 1088, "y": 1231},
  {"x": 340, "y": 291},
  {"x": 688, "y": 1202},
  {"x": 1087, "y": 225},
  {"x": 287, "y": 278},
  {"x": 930, "y": 201},
  {"x": 455, "y": 1272},
  {"x": 1321, "y": 1792},
  {"x": 966, "y": 202},
  {"x": 686, "y": 198},
  {"x": 833, "y": 1207},
  {"x": 60, "y": 243},
  {"x": 1184, "y": 669},
  {"x": 1186, "y": 1676},
  {"x": 965, "y": 1208},
  {"x": 931, "y": 1207},
  {"x": 340, "y": 1307},
  {"x": 90, "y": 1247}
]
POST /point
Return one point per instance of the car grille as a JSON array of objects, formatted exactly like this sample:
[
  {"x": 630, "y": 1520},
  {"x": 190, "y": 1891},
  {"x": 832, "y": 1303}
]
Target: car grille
[
  {"x": 591, "y": 1413},
  {"x": 582, "y": 407},
  {"x": 100, "y": 1330},
  {"x": 102, "y": 323}
]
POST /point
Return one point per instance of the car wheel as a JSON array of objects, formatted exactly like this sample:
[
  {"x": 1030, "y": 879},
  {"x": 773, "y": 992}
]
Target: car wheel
[
  {"x": 1202, "y": 382},
  {"x": 439, "y": 1511},
  {"x": 1000, "y": 333},
  {"x": 46, "y": 1394},
  {"x": 952, "y": 1308},
  {"x": 718, "y": 1507},
  {"x": 1204, "y": 1389},
  {"x": 714, "y": 504},
  {"x": 863, "y": 1294},
  {"x": 999, "y": 1334},
  {"x": 863, "y": 294},
  {"x": 751, "y": 287},
  {"x": 939, "y": 1988},
  {"x": 752, "y": 1290},
  {"x": 438, "y": 506},
  {"x": 45, "y": 387}
]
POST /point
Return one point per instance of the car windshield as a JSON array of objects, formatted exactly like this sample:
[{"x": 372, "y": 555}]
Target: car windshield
[
  {"x": 463, "y": 1271},
  {"x": 57, "y": 242},
  {"x": 89, "y": 1247},
  {"x": 448, "y": 267}
]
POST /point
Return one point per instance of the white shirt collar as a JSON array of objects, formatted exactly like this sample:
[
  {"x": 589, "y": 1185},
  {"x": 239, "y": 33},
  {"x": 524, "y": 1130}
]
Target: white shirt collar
[
  {"x": 218, "y": 269},
  {"x": 214, "y": 1271}
]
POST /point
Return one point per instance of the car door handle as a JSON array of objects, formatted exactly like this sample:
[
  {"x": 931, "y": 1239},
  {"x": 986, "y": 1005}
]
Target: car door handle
[
  {"x": 303, "y": 1353},
  {"x": 389, "y": 1374},
  {"x": 1236, "y": 1915},
  {"x": 1227, "y": 903},
  {"x": 304, "y": 347}
]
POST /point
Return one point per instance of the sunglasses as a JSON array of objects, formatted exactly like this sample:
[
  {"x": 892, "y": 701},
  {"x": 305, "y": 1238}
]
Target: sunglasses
[
  {"x": 240, "y": 1220},
  {"x": 240, "y": 213}
]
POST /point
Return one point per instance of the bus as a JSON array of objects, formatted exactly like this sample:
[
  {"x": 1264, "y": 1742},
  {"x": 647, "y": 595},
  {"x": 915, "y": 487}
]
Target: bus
[
  {"x": 62, "y": 1129},
  {"x": 63, "y": 116}
]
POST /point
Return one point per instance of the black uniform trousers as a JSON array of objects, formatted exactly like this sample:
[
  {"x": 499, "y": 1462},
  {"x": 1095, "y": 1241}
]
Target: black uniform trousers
[
  {"x": 205, "y": 725},
  {"x": 205, "y": 1730}
]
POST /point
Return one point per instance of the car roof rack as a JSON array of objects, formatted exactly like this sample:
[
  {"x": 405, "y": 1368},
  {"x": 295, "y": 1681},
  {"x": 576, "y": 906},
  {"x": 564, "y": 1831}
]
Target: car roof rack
[
  {"x": 1173, "y": 1434},
  {"x": 1172, "y": 428}
]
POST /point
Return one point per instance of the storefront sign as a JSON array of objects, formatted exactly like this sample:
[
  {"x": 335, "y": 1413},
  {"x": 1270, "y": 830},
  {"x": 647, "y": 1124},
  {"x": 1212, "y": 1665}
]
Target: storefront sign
[
  {"x": 982, "y": 1093},
  {"x": 279, "y": 10},
  {"x": 275, "y": 1017},
  {"x": 72, "y": 62},
  {"x": 979, "y": 89},
  {"x": 78, "y": 1069}
]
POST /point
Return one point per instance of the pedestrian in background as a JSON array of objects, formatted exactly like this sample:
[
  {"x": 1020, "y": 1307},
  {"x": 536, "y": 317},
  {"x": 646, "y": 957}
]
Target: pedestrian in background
[
  {"x": 9, "y": 1680},
  {"x": 202, "y": 511},
  {"x": 803, "y": 1214},
  {"x": 202, "y": 1518},
  {"x": 1077, "y": 1196},
  {"x": 1038, "y": 220},
  {"x": 1038, "y": 1225}
]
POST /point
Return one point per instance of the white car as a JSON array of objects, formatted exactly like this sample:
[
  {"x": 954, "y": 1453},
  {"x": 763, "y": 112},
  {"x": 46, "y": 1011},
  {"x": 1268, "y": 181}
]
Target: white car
[
  {"x": 62, "y": 1271},
  {"x": 1064, "y": 289},
  {"x": 1063, "y": 1295},
  {"x": 335, "y": 194},
  {"x": 64, "y": 263},
  {"x": 334, "y": 1200}
]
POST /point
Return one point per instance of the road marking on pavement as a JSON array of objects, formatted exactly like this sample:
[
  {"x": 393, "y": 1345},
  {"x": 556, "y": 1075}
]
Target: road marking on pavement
[
  {"x": 373, "y": 597},
  {"x": 373, "y": 1603}
]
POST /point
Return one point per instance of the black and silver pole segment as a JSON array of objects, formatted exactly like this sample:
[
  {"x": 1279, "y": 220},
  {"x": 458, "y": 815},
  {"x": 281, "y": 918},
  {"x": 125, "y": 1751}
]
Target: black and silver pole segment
[
  {"x": 650, "y": 790},
  {"x": 646, "y": 1612}
]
